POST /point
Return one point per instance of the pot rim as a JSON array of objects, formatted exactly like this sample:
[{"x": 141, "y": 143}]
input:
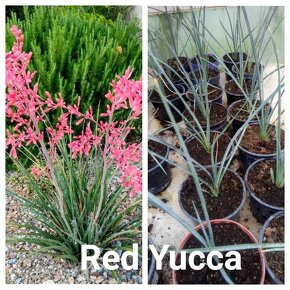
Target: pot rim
[
  {"x": 177, "y": 96},
  {"x": 226, "y": 61},
  {"x": 261, "y": 237},
  {"x": 179, "y": 57},
  {"x": 243, "y": 228},
  {"x": 252, "y": 193},
  {"x": 234, "y": 94},
  {"x": 214, "y": 131},
  {"x": 210, "y": 85},
  {"x": 211, "y": 103},
  {"x": 235, "y": 118},
  {"x": 244, "y": 196},
  {"x": 161, "y": 162},
  {"x": 259, "y": 155}
]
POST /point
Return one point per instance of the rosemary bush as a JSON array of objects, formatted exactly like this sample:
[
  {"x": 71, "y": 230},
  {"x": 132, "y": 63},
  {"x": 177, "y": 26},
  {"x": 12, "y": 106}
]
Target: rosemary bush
[{"x": 77, "y": 54}]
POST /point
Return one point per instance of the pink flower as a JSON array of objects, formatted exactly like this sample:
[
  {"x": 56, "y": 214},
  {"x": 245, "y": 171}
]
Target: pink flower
[
  {"x": 83, "y": 143},
  {"x": 126, "y": 93},
  {"x": 27, "y": 112},
  {"x": 36, "y": 172}
]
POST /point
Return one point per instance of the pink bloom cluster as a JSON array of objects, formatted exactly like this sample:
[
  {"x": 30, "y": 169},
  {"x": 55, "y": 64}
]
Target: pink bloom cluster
[{"x": 28, "y": 111}]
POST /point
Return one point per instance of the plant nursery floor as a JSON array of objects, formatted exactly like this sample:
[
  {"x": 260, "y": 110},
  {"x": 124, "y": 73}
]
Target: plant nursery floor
[
  {"x": 165, "y": 230},
  {"x": 24, "y": 267}
]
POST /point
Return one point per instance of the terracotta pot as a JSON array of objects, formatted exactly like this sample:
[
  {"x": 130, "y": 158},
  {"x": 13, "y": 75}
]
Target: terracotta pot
[
  {"x": 218, "y": 221},
  {"x": 238, "y": 123}
]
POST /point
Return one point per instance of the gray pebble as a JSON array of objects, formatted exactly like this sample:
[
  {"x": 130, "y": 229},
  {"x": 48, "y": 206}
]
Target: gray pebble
[
  {"x": 48, "y": 282},
  {"x": 13, "y": 277},
  {"x": 11, "y": 261},
  {"x": 105, "y": 274}
]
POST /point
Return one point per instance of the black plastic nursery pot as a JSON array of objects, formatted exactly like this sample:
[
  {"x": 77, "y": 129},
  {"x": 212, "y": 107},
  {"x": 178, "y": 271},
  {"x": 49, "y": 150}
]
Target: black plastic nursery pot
[
  {"x": 238, "y": 114},
  {"x": 172, "y": 98},
  {"x": 212, "y": 61},
  {"x": 198, "y": 153},
  {"x": 153, "y": 276},
  {"x": 212, "y": 78},
  {"x": 265, "y": 198},
  {"x": 237, "y": 122},
  {"x": 225, "y": 232},
  {"x": 218, "y": 117},
  {"x": 247, "y": 74},
  {"x": 227, "y": 205},
  {"x": 172, "y": 62},
  {"x": 215, "y": 95},
  {"x": 159, "y": 175},
  {"x": 247, "y": 156},
  {"x": 233, "y": 93},
  {"x": 188, "y": 82},
  {"x": 232, "y": 58},
  {"x": 274, "y": 228}
]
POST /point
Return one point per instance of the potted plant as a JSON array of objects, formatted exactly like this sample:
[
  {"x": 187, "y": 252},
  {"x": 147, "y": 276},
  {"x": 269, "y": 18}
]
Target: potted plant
[
  {"x": 265, "y": 177},
  {"x": 159, "y": 172},
  {"x": 175, "y": 95},
  {"x": 225, "y": 233},
  {"x": 261, "y": 140},
  {"x": 239, "y": 112},
  {"x": 235, "y": 40},
  {"x": 223, "y": 190},
  {"x": 226, "y": 203}
]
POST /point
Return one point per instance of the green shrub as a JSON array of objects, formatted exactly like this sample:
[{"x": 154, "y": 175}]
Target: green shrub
[
  {"x": 109, "y": 12},
  {"x": 77, "y": 52}
]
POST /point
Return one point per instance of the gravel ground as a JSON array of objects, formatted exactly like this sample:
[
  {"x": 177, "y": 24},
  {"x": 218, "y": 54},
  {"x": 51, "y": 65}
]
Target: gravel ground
[{"x": 24, "y": 266}]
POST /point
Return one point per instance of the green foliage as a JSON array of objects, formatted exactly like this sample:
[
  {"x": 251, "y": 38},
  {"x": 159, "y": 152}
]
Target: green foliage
[
  {"x": 74, "y": 213},
  {"x": 109, "y": 12},
  {"x": 77, "y": 52}
]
